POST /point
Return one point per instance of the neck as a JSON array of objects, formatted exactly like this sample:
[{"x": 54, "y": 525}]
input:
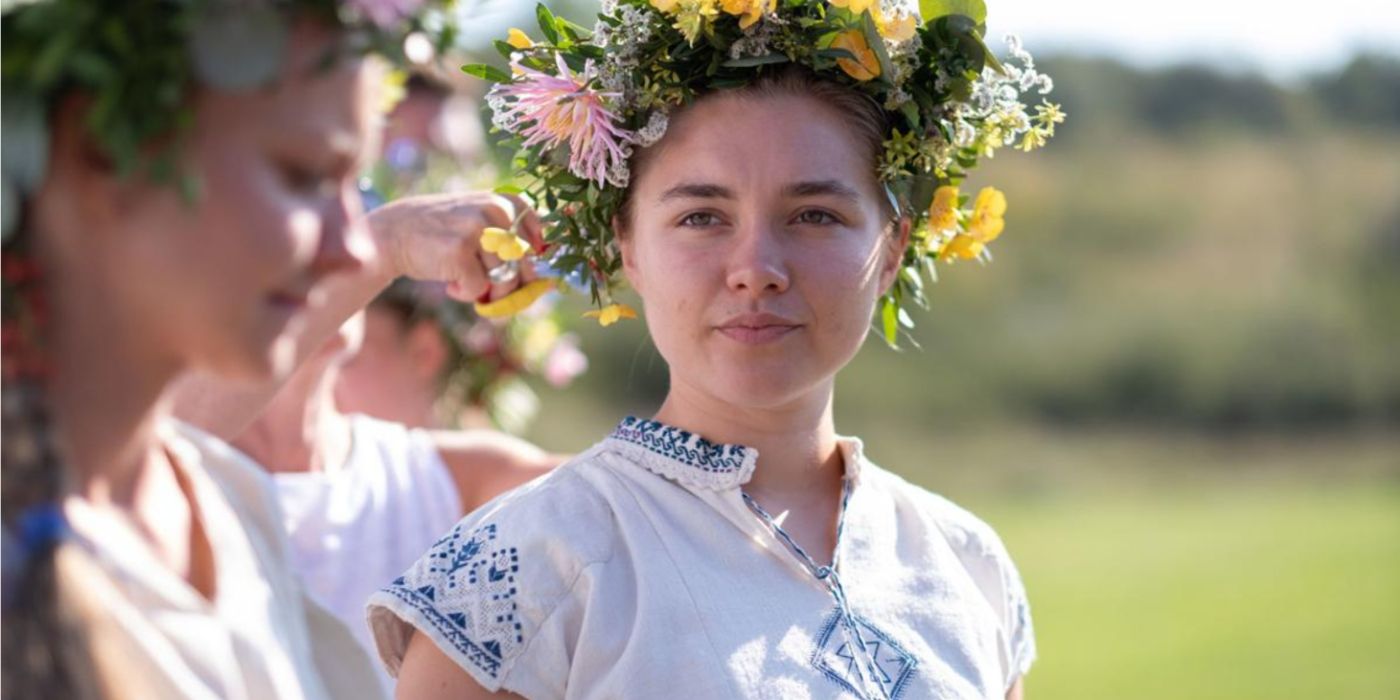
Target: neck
[
  {"x": 301, "y": 430},
  {"x": 107, "y": 392},
  {"x": 796, "y": 441}
]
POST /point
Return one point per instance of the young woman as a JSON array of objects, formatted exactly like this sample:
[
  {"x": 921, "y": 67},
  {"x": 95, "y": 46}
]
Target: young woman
[
  {"x": 733, "y": 545},
  {"x": 144, "y": 558},
  {"x": 361, "y": 497}
]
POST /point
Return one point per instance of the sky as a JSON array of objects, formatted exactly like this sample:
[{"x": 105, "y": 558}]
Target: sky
[
  {"x": 1281, "y": 38},
  {"x": 1285, "y": 39}
]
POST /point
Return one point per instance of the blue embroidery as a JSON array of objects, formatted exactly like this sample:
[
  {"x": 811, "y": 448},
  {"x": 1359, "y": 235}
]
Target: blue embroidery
[
  {"x": 468, "y": 571},
  {"x": 680, "y": 445},
  {"x": 837, "y": 657},
  {"x": 481, "y": 656}
]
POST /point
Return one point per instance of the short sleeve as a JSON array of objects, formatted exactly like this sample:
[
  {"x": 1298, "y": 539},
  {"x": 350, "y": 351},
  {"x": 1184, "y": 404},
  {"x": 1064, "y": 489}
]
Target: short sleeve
[
  {"x": 486, "y": 593},
  {"x": 986, "y": 560}
]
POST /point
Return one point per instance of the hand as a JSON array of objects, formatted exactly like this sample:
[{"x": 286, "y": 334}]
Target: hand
[{"x": 438, "y": 237}]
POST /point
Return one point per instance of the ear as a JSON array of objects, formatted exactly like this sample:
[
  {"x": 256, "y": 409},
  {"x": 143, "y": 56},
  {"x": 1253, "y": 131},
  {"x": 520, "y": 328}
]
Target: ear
[
  {"x": 894, "y": 253},
  {"x": 78, "y": 184},
  {"x": 427, "y": 351},
  {"x": 626, "y": 245}
]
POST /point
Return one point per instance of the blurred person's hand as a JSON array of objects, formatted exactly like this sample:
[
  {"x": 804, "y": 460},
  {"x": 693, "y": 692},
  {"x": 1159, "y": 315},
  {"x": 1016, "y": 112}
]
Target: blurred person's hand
[{"x": 438, "y": 237}]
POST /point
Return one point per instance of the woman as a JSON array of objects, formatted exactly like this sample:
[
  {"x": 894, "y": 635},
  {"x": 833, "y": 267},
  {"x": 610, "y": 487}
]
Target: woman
[
  {"x": 735, "y": 545},
  {"x": 361, "y": 497},
  {"x": 149, "y": 561}
]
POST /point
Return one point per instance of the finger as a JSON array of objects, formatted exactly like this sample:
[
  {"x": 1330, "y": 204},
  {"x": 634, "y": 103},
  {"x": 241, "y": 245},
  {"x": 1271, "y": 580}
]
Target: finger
[
  {"x": 470, "y": 279},
  {"x": 530, "y": 227},
  {"x": 500, "y": 211}
]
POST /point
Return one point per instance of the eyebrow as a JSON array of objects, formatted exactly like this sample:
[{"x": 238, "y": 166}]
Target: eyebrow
[
  {"x": 701, "y": 190},
  {"x": 822, "y": 187},
  {"x": 697, "y": 190}
]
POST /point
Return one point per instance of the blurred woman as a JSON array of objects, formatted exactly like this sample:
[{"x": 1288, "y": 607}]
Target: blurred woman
[{"x": 144, "y": 557}]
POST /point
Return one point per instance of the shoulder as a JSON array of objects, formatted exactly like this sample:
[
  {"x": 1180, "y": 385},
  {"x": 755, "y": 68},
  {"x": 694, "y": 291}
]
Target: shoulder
[
  {"x": 247, "y": 487},
  {"x": 485, "y": 463},
  {"x": 486, "y": 589},
  {"x": 968, "y": 535},
  {"x": 982, "y": 556}
]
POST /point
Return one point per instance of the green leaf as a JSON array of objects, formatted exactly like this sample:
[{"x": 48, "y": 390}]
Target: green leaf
[
  {"x": 889, "y": 319},
  {"x": 911, "y": 113},
  {"x": 933, "y": 9},
  {"x": 508, "y": 190},
  {"x": 503, "y": 48},
  {"x": 751, "y": 61},
  {"x": 485, "y": 72},
  {"x": 877, "y": 46},
  {"x": 546, "y": 19}
]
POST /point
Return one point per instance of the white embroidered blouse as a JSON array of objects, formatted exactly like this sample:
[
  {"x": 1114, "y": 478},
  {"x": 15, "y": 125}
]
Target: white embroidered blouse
[{"x": 638, "y": 570}]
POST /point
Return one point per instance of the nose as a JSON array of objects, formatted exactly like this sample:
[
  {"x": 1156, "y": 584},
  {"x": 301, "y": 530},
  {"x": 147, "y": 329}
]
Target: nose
[
  {"x": 345, "y": 244},
  {"x": 758, "y": 261}
]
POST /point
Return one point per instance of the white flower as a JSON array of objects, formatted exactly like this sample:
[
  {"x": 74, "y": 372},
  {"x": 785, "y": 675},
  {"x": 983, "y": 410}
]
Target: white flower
[{"x": 653, "y": 131}]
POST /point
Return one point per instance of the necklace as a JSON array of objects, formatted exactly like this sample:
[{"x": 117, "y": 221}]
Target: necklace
[{"x": 867, "y": 670}]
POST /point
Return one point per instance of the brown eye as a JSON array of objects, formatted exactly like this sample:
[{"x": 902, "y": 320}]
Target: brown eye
[
  {"x": 700, "y": 219},
  {"x": 817, "y": 217},
  {"x": 307, "y": 181}
]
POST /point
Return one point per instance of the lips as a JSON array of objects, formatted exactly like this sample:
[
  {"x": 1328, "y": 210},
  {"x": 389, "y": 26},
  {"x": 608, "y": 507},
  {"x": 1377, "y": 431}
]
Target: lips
[
  {"x": 291, "y": 299},
  {"x": 757, "y": 328}
]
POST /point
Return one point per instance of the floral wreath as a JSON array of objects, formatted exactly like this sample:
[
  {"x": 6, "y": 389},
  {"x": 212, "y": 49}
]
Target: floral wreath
[
  {"x": 139, "y": 60},
  {"x": 576, "y": 107}
]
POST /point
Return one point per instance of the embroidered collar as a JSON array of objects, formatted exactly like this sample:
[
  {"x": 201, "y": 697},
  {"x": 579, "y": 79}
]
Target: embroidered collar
[
  {"x": 693, "y": 461},
  {"x": 683, "y": 456}
]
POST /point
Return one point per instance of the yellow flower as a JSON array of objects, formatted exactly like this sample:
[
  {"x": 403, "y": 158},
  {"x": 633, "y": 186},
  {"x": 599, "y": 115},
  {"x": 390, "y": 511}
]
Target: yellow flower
[
  {"x": 666, "y": 6},
  {"x": 898, "y": 29},
  {"x": 506, "y": 245},
  {"x": 865, "y": 66},
  {"x": 393, "y": 90},
  {"x": 515, "y": 302},
  {"x": 983, "y": 226},
  {"x": 962, "y": 246},
  {"x": 943, "y": 215},
  {"x": 691, "y": 16},
  {"x": 751, "y": 10},
  {"x": 986, "y": 222},
  {"x": 517, "y": 39},
  {"x": 856, "y": 6},
  {"x": 610, "y": 314}
]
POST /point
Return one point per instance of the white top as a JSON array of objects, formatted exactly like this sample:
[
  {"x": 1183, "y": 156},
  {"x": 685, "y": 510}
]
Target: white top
[
  {"x": 637, "y": 570},
  {"x": 260, "y": 638},
  {"x": 355, "y": 529}
]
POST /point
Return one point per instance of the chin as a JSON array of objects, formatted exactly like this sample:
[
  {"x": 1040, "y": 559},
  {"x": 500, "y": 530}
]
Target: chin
[{"x": 761, "y": 387}]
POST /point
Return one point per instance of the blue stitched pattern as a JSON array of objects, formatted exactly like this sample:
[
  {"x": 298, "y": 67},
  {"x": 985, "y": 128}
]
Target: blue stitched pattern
[
  {"x": 836, "y": 657},
  {"x": 466, "y": 593},
  {"x": 681, "y": 445}
]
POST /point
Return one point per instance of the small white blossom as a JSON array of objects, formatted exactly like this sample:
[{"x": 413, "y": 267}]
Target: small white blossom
[{"x": 653, "y": 131}]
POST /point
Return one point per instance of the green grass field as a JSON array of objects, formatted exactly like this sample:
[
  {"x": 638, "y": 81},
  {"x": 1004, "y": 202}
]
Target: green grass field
[{"x": 1271, "y": 591}]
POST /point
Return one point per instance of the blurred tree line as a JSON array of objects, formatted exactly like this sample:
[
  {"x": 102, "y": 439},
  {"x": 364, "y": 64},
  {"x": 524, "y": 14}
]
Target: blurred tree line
[{"x": 1197, "y": 249}]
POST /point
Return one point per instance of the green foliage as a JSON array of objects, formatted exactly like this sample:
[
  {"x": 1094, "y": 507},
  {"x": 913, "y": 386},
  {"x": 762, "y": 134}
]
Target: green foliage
[{"x": 643, "y": 63}]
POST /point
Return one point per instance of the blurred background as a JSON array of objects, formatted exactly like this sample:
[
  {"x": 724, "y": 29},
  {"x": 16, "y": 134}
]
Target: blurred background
[{"x": 1176, "y": 393}]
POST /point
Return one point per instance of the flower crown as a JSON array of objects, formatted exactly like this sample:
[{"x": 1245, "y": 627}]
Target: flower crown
[
  {"x": 139, "y": 60},
  {"x": 576, "y": 107}
]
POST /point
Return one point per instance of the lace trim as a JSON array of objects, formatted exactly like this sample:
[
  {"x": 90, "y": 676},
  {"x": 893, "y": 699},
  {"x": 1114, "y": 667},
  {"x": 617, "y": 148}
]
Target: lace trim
[{"x": 683, "y": 456}]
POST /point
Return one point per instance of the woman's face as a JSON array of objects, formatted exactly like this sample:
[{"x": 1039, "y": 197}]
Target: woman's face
[
  {"x": 224, "y": 282},
  {"x": 393, "y": 374},
  {"x": 759, "y": 246}
]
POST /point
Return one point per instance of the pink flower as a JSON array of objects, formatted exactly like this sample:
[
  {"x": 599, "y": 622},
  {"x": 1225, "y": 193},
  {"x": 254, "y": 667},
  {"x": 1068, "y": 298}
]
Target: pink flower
[
  {"x": 385, "y": 13},
  {"x": 554, "y": 109}
]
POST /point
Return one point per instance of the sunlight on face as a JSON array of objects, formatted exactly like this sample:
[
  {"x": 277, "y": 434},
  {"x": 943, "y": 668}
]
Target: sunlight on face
[
  {"x": 279, "y": 212},
  {"x": 759, "y": 245}
]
